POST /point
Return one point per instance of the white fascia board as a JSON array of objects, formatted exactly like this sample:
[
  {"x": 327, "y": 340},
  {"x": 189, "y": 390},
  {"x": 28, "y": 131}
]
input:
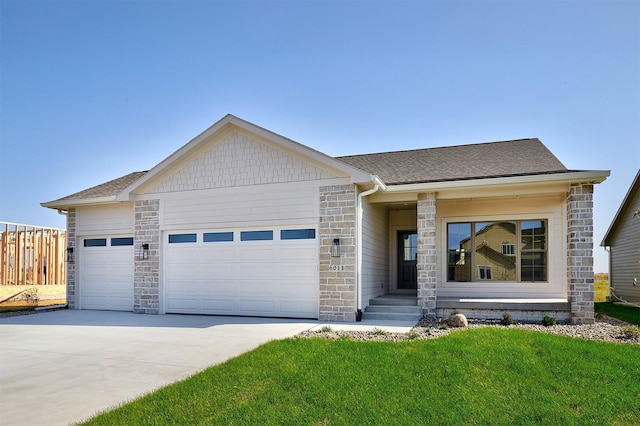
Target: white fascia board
[
  {"x": 64, "y": 204},
  {"x": 589, "y": 176}
]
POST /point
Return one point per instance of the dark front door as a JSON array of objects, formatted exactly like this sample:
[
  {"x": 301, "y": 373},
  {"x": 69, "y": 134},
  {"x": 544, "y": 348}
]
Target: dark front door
[{"x": 407, "y": 259}]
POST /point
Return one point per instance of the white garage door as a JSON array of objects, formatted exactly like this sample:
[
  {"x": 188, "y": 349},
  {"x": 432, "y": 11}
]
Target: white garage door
[
  {"x": 106, "y": 273},
  {"x": 266, "y": 272}
]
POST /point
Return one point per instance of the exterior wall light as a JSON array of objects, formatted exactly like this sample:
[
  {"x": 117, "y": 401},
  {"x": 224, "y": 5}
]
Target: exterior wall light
[
  {"x": 335, "y": 248},
  {"x": 70, "y": 254},
  {"x": 144, "y": 252}
]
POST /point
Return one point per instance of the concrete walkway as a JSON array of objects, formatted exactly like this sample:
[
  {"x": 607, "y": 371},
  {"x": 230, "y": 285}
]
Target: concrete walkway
[{"x": 65, "y": 366}]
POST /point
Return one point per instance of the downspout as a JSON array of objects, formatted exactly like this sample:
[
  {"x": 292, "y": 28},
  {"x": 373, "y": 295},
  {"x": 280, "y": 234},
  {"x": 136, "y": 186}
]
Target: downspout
[{"x": 377, "y": 186}]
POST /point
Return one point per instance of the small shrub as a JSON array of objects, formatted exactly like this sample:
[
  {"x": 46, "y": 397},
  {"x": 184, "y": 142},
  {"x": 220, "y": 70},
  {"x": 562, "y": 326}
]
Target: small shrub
[
  {"x": 454, "y": 312},
  {"x": 630, "y": 332},
  {"x": 548, "y": 321},
  {"x": 507, "y": 319},
  {"x": 326, "y": 329},
  {"x": 443, "y": 326},
  {"x": 378, "y": 332},
  {"x": 412, "y": 335}
]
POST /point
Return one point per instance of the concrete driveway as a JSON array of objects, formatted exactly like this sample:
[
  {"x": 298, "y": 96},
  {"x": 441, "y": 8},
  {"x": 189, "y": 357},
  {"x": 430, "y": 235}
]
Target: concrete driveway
[{"x": 65, "y": 366}]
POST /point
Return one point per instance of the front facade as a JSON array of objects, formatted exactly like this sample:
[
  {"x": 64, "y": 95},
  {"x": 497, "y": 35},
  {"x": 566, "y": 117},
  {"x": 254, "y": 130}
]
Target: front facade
[
  {"x": 242, "y": 221},
  {"x": 623, "y": 243}
]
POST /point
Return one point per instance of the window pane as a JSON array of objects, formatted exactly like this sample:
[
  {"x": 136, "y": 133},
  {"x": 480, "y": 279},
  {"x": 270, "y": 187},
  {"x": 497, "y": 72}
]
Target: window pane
[
  {"x": 491, "y": 240},
  {"x": 533, "y": 266},
  {"x": 126, "y": 241},
  {"x": 182, "y": 238},
  {"x": 95, "y": 242},
  {"x": 410, "y": 247},
  {"x": 459, "y": 252},
  {"x": 534, "y": 235},
  {"x": 298, "y": 234},
  {"x": 214, "y": 237},
  {"x": 256, "y": 235}
]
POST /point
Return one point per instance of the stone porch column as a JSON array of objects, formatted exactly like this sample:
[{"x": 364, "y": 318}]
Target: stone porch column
[
  {"x": 146, "y": 276},
  {"x": 338, "y": 274},
  {"x": 427, "y": 253},
  {"x": 71, "y": 266},
  {"x": 580, "y": 253}
]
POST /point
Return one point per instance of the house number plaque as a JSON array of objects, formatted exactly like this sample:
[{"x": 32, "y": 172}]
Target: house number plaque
[{"x": 336, "y": 267}]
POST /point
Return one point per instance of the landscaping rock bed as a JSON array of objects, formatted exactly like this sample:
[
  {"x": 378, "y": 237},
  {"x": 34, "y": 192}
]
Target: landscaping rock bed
[{"x": 605, "y": 329}]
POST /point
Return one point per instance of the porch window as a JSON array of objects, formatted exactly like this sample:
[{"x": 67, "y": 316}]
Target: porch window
[{"x": 492, "y": 247}]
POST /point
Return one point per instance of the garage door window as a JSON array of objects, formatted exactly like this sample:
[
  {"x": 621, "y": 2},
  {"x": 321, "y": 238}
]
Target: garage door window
[
  {"x": 125, "y": 241},
  {"x": 215, "y": 237},
  {"x": 182, "y": 238},
  {"x": 95, "y": 242},
  {"x": 256, "y": 235},
  {"x": 298, "y": 234}
]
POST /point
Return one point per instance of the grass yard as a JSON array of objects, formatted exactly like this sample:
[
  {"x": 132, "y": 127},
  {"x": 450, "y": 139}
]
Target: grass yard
[
  {"x": 630, "y": 314},
  {"x": 476, "y": 376}
]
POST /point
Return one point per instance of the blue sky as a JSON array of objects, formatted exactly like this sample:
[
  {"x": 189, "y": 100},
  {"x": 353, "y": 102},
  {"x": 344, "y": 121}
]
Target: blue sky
[{"x": 93, "y": 90}]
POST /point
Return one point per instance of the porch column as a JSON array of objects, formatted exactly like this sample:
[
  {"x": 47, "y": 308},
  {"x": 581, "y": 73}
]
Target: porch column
[
  {"x": 146, "y": 276},
  {"x": 580, "y": 253},
  {"x": 71, "y": 266},
  {"x": 338, "y": 265},
  {"x": 427, "y": 253}
]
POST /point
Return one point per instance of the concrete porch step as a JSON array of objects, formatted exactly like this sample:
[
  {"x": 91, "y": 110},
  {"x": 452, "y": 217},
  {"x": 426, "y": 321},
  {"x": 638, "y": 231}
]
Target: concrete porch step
[
  {"x": 390, "y": 316},
  {"x": 399, "y": 309},
  {"x": 393, "y": 307},
  {"x": 396, "y": 300}
]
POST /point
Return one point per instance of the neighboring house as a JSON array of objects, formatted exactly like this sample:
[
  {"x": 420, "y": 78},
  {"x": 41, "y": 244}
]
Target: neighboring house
[
  {"x": 243, "y": 221},
  {"x": 623, "y": 240}
]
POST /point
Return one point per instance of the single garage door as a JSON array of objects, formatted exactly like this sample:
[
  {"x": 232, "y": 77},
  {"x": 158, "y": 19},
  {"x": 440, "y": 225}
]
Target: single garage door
[
  {"x": 106, "y": 273},
  {"x": 268, "y": 272}
]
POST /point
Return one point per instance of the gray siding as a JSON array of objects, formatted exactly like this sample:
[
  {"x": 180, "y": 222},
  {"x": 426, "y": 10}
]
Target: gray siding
[{"x": 625, "y": 253}]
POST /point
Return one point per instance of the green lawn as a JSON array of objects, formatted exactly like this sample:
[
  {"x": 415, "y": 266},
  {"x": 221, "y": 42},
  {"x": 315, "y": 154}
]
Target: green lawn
[
  {"x": 630, "y": 314},
  {"x": 478, "y": 376}
]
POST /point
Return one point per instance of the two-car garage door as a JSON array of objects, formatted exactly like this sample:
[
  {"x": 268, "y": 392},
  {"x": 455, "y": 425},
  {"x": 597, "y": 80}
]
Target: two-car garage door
[{"x": 264, "y": 272}]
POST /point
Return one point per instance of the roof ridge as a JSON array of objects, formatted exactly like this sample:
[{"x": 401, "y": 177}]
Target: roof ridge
[{"x": 438, "y": 147}]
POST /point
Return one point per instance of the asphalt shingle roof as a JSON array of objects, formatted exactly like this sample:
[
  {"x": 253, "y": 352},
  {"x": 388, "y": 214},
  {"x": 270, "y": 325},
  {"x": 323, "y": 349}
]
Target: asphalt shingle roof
[
  {"x": 107, "y": 189},
  {"x": 484, "y": 160}
]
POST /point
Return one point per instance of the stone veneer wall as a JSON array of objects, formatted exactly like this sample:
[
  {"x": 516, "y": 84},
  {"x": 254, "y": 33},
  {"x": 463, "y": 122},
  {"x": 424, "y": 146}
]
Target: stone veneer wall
[
  {"x": 338, "y": 274},
  {"x": 580, "y": 253},
  {"x": 427, "y": 253},
  {"x": 71, "y": 266},
  {"x": 146, "y": 277}
]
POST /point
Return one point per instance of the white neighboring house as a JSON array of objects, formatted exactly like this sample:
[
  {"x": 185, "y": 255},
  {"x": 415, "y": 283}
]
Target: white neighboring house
[
  {"x": 243, "y": 221},
  {"x": 623, "y": 240}
]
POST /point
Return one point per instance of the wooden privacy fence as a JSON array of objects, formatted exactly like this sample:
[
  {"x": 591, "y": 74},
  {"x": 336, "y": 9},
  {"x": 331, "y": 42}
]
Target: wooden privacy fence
[{"x": 32, "y": 255}]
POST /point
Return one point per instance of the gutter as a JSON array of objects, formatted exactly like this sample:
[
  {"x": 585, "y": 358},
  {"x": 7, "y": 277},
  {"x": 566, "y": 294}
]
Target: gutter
[{"x": 378, "y": 185}]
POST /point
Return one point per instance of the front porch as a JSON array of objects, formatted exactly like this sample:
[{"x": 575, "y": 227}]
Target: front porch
[{"x": 405, "y": 307}]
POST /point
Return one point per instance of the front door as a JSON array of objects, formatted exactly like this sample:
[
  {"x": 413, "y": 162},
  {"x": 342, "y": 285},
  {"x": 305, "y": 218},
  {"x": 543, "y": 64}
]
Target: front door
[{"x": 407, "y": 260}]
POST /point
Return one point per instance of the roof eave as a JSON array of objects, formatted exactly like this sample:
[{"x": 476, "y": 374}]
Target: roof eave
[
  {"x": 66, "y": 204},
  {"x": 583, "y": 176},
  {"x": 623, "y": 206}
]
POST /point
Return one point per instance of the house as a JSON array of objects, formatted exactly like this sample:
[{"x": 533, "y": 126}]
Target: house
[
  {"x": 243, "y": 221},
  {"x": 623, "y": 240}
]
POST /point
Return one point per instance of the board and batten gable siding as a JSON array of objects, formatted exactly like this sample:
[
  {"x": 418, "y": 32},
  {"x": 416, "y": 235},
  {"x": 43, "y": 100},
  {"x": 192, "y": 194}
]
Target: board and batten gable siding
[
  {"x": 375, "y": 251},
  {"x": 551, "y": 208},
  {"x": 625, "y": 253},
  {"x": 236, "y": 159},
  {"x": 106, "y": 219}
]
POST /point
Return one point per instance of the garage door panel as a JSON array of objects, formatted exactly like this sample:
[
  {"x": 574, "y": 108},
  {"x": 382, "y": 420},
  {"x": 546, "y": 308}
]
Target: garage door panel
[
  {"x": 218, "y": 287},
  {"x": 297, "y": 271},
  {"x": 257, "y": 306},
  {"x": 297, "y": 307}
]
